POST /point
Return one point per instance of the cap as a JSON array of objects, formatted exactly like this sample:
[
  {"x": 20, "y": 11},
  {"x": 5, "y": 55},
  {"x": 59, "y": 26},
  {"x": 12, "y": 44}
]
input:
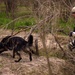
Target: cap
[{"x": 73, "y": 9}]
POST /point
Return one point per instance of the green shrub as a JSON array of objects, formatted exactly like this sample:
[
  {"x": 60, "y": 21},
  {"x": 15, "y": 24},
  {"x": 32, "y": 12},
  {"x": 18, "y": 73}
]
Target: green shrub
[
  {"x": 3, "y": 18},
  {"x": 22, "y": 23},
  {"x": 66, "y": 26}
]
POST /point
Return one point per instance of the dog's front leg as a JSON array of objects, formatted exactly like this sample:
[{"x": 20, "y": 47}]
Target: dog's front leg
[
  {"x": 30, "y": 53},
  {"x": 19, "y": 57},
  {"x": 13, "y": 53}
]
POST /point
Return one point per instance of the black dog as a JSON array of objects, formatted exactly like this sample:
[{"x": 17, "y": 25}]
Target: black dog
[{"x": 17, "y": 44}]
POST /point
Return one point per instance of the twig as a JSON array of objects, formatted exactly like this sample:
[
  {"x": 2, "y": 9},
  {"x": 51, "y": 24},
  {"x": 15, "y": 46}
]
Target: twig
[
  {"x": 21, "y": 31},
  {"x": 36, "y": 46},
  {"x": 48, "y": 18},
  {"x": 58, "y": 44}
]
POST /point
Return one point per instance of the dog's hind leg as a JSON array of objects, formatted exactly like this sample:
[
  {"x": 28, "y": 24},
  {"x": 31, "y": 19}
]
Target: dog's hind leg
[
  {"x": 30, "y": 56},
  {"x": 27, "y": 50},
  {"x": 30, "y": 53}
]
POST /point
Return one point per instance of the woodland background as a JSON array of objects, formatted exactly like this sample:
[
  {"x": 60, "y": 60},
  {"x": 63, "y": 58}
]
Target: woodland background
[{"x": 48, "y": 20}]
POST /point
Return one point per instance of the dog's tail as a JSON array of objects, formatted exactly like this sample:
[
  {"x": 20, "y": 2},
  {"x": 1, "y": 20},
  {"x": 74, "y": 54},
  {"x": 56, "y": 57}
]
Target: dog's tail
[{"x": 30, "y": 40}]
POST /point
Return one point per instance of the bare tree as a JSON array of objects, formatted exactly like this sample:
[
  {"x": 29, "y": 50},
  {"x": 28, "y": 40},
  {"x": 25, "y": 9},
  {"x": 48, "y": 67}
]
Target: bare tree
[{"x": 11, "y": 6}]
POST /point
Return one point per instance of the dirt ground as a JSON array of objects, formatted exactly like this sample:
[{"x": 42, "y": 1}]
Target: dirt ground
[{"x": 39, "y": 64}]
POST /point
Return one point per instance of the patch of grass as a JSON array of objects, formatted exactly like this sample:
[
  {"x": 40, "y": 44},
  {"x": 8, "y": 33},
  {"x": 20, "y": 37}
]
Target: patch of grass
[
  {"x": 4, "y": 21},
  {"x": 3, "y": 18},
  {"x": 23, "y": 22},
  {"x": 3, "y": 15},
  {"x": 66, "y": 26},
  {"x": 21, "y": 11}
]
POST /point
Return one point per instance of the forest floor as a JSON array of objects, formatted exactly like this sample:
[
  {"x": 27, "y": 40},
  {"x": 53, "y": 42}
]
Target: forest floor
[{"x": 38, "y": 66}]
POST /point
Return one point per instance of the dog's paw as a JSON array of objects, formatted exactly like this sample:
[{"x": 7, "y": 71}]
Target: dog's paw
[
  {"x": 30, "y": 59},
  {"x": 18, "y": 60}
]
